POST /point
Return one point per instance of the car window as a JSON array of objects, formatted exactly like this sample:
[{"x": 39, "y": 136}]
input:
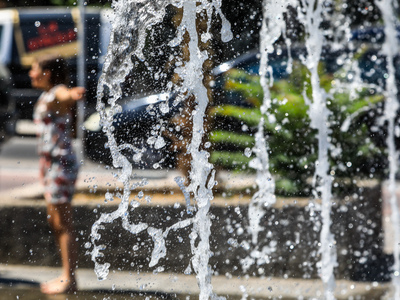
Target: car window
[{"x": 6, "y": 38}]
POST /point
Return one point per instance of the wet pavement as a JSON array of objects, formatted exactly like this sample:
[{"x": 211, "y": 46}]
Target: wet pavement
[{"x": 23, "y": 281}]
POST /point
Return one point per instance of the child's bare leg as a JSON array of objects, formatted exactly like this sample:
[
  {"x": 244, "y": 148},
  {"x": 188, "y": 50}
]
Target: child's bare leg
[{"x": 61, "y": 222}]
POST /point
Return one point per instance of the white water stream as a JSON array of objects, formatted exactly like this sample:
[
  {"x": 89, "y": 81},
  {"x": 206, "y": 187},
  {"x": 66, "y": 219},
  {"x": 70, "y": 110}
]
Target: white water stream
[
  {"x": 273, "y": 27},
  {"x": 132, "y": 19},
  {"x": 319, "y": 114}
]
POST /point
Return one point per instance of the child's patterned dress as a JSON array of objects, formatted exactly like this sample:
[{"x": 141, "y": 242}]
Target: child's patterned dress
[{"x": 58, "y": 163}]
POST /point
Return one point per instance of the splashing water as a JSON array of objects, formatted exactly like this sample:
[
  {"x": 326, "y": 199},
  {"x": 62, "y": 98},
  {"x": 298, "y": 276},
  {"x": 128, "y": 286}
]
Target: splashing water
[
  {"x": 273, "y": 27},
  {"x": 390, "y": 49},
  {"x": 319, "y": 114},
  {"x": 266, "y": 185},
  {"x": 131, "y": 20},
  {"x": 202, "y": 174}
]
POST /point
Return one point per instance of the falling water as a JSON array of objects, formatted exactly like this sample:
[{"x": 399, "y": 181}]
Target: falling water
[
  {"x": 273, "y": 27},
  {"x": 390, "y": 49},
  {"x": 266, "y": 184},
  {"x": 132, "y": 19},
  {"x": 319, "y": 114},
  {"x": 202, "y": 175}
]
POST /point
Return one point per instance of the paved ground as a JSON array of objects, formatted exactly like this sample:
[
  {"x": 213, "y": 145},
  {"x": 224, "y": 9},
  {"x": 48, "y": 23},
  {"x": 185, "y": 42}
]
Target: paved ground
[{"x": 28, "y": 277}]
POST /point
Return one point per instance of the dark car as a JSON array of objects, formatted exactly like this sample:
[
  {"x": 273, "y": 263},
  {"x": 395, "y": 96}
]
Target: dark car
[{"x": 141, "y": 116}]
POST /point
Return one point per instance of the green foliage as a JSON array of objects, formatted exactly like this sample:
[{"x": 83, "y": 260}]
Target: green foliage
[
  {"x": 231, "y": 160},
  {"x": 292, "y": 143},
  {"x": 64, "y": 2},
  {"x": 241, "y": 140}
]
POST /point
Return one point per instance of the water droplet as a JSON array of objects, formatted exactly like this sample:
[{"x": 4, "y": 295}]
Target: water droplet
[
  {"x": 137, "y": 157},
  {"x": 247, "y": 152},
  {"x": 159, "y": 143},
  {"x": 37, "y": 23},
  {"x": 164, "y": 107}
]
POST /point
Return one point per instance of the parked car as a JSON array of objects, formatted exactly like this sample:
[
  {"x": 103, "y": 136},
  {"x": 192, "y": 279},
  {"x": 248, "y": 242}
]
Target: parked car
[
  {"x": 26, "y": 33},
  {"x": 8, "y": 114}
]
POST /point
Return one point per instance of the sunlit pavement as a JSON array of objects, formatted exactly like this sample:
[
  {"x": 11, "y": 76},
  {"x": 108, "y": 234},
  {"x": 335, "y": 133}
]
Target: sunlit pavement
[
  {"x": 19, "y": 172},
  {"x": 186, "y": 284},
  {"x": 28, "y": 277}
]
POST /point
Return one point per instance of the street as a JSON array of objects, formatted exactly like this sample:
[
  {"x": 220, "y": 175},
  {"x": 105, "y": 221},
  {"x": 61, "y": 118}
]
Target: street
[
  {"x": 18, "y": 163},
  {"x": 19, "y": 166}
]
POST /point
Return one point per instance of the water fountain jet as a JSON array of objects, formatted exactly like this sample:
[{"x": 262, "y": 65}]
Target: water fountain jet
[{"x": 201, "y": 174}]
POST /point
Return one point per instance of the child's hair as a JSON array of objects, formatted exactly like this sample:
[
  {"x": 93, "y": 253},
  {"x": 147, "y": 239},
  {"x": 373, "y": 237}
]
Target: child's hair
[{"x": 57, "y": 67}]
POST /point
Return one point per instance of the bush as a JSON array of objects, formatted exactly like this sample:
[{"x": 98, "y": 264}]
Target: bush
[{"x": 355, "y": 153}]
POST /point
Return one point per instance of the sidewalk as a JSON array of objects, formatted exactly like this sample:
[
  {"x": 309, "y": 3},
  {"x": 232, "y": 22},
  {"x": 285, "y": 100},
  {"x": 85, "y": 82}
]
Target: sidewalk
[
  {"x": 169, "y": 283},
  {"x": 95, "y": 180}
]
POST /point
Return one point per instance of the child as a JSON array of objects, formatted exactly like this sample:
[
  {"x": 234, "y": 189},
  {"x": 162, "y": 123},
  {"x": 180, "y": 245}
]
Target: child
[{"x": 53, "y": 114}]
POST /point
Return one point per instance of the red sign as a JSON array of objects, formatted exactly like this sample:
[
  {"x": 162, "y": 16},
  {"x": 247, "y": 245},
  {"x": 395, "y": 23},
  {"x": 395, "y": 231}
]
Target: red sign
[{"x": 50, "y": 35}]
